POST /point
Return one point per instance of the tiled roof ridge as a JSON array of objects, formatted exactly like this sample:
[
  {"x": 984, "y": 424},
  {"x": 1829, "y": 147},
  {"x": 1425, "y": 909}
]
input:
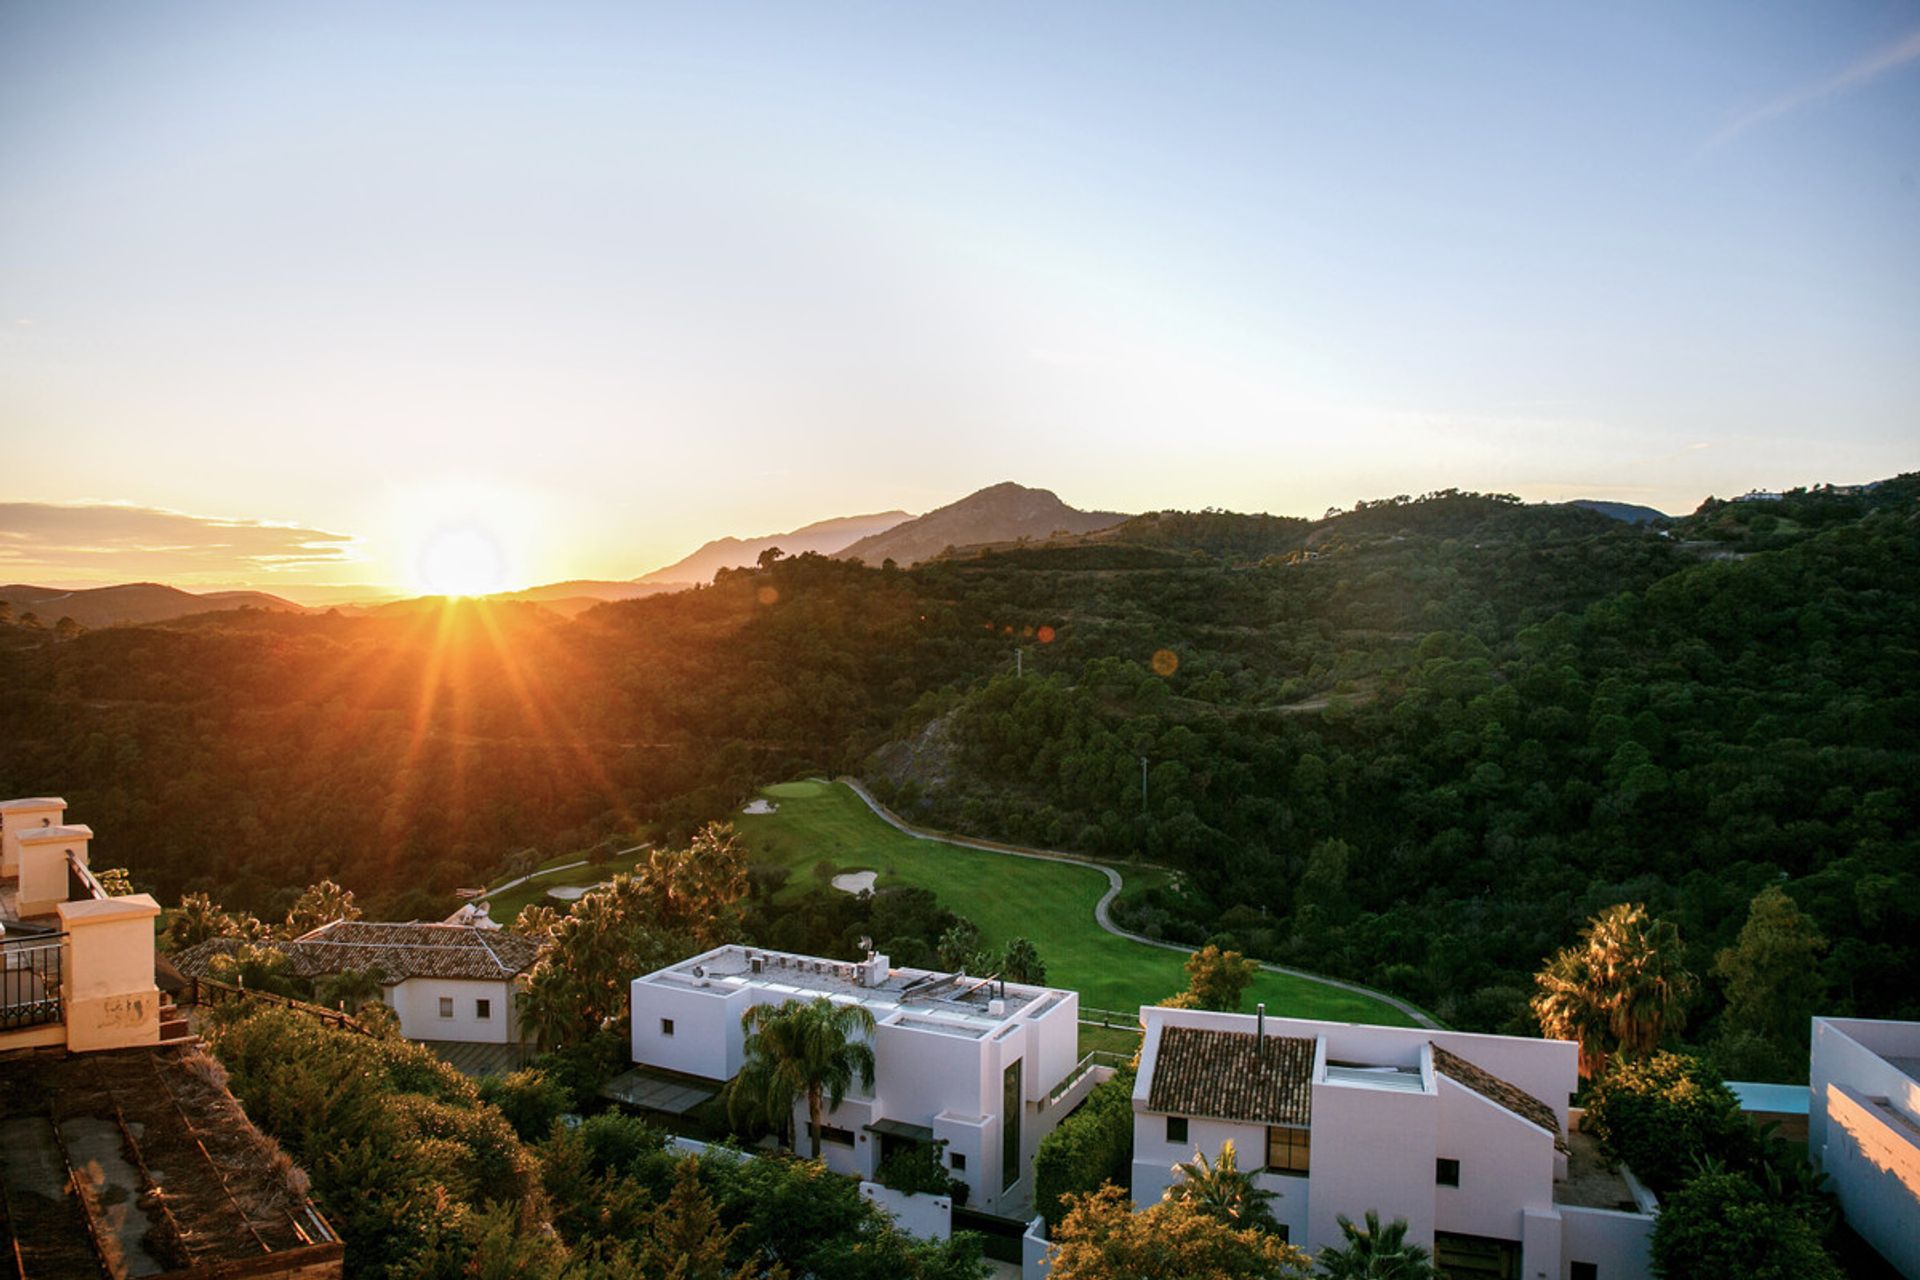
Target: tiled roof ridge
[{"x": 1502, "y": 1093}]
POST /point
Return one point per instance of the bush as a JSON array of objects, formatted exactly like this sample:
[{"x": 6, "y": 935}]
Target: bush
[
  {"x": 920, "y": 1169},
  {"x": 1721, "y": 1225},
  {"x": 531, "y": 1100},
  {"x": 1090, "y": 1148},
  {"x": 1664, "y": 1114}
]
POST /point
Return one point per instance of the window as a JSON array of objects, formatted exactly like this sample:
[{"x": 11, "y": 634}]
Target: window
[
  {"x": 483, "y": 1009},
  {"x": 1287, "y": 1149},
  {"x": 1010, "y": 1104},
  {"x": 666, "y": 1026},
  {"x": 957, "y": 1160},
  {"x": 1177, "y": 1129},
  {"x": 839, "y": 1137},
  {"x": 1584, "y": 1271},
  {"x": 1446, "y": 1173},
  {"x": 446, "y": 1006}
]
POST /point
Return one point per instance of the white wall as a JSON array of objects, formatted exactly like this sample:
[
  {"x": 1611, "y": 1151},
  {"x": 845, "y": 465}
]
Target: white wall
[
  {"x": 417, "y": 1002},
  {"x": 924, "y": 1217},
  {"x": 1506, "y": 1165},
  {"x": 1872, "y": 1158},
  {"x": 707, "y": 1037},
  {"x": 1372, "y": 1149},
  {"x": 1619, "y": 1244}
]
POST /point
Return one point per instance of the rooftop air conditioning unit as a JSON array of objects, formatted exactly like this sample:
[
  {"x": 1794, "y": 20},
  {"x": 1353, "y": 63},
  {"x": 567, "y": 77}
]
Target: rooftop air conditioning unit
[{"x": 998, "y": 1008}]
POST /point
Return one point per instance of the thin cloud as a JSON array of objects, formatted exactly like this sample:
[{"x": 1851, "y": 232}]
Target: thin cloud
[
  {"x": 1868, "y": 69},
  {"x": 117, "y": 542}
]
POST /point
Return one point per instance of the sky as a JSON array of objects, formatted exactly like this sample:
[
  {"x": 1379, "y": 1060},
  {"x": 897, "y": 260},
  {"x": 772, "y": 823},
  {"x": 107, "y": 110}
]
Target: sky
[{"x": 300, "y": 294}]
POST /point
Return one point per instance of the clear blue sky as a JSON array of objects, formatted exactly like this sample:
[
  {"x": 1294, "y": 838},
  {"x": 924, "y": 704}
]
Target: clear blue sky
[{"x": 608, "y": 280}]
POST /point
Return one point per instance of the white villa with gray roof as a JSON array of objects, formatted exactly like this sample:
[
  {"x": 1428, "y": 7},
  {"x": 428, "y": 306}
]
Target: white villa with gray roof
[
  {"x": 1465, "y": 1136},
  {"x": 446, "y": 982}
]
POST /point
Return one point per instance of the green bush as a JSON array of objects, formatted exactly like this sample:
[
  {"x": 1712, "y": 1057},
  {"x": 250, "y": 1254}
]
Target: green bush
[
  {"x": 1090, "y": 1148},
  {"x": 530, "y": 1099},
  {"x": 1721, "y": 1225},
  {"x": 1663, "y": 1115}
]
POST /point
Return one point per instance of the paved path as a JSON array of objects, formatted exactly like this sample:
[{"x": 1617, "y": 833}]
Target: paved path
[
  {"x": 1114, "y": 885},
  {"x": 532, "y": 875}
]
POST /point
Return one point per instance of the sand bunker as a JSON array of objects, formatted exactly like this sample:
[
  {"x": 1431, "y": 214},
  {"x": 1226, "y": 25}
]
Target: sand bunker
[
  {"x": 855, "y": 881},
  {"x": 760, "y": 806},
  {"x": 573, "y": 892}
]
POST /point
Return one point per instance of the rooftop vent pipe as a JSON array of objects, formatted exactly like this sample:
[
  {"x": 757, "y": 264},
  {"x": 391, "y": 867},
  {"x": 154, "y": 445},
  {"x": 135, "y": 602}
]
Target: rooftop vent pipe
[{"x": 1260, "y": 1031}]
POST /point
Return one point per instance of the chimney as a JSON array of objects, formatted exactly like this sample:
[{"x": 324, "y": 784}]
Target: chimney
[
  {"x": 17, "y": 818},
  {"x": 1260, "y": 1031}
]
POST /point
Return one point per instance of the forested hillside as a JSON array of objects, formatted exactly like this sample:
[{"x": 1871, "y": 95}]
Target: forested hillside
[{"x": 1415, "y": 743}]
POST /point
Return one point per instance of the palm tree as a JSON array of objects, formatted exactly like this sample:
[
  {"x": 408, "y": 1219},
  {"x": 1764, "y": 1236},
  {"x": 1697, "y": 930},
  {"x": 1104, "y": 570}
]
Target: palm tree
[
  {"x": 1221, "y": 1190},
  {"x": 1620, "y": 989},
  {"x": 350, "y": 989},
  {"x": 795, "y": 1050},
  {"x": 322, "y": 903},
  {"x": 1376, "y": 1253}
]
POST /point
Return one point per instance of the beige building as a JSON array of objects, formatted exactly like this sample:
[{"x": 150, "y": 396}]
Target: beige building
[{"x": 121, "y": 1151}]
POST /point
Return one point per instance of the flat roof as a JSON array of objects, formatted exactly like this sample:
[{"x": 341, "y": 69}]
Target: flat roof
[{"x": 925, "y": 999}]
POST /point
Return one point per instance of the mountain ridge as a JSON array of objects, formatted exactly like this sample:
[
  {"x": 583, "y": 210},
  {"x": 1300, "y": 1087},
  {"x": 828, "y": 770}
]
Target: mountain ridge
[
  {"x": 1004, "y": 512},
  {"x": 824, "y": 537}
]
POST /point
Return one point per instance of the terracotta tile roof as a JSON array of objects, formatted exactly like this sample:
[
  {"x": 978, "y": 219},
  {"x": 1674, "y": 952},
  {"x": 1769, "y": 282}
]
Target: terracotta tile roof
[
  {"x": 1223, "y": 1075},
  {"x": 400, "y": 951},
  {"x": 1499, "y": 1092}
]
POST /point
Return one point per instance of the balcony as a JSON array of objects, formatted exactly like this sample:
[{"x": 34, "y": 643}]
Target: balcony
[{"x": 31, "y": 969}]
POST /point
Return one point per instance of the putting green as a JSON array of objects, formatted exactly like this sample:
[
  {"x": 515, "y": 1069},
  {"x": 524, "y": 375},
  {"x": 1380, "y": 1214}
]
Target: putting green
[{"x": 1050, "y": 902}]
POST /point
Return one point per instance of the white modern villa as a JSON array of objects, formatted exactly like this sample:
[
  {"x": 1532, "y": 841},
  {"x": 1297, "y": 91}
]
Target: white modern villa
[
  {"x": 1863, "y": 1129},
  {"x": 988, "y": 1067},
  {"x": 1465, "y": 1136}
]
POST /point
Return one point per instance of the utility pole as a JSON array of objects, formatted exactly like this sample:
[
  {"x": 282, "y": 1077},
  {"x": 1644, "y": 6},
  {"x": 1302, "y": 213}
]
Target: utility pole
[
  {"x": 1019, "y": 663},
  {"x": 1143, "y": 784}
]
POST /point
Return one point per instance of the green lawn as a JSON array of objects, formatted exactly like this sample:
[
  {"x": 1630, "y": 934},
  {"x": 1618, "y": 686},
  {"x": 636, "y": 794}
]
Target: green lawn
[
  {"x": 505, "y": 906},
  {"x": 1049, "y": 902}
]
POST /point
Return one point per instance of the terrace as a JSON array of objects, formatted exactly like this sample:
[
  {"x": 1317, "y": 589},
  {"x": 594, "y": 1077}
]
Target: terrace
[
  {"x": 951, "y": 1003},
  {"x": 138, "y": 1162}
]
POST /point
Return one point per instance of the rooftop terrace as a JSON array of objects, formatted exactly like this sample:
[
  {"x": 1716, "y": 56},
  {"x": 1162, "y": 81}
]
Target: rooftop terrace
[{"x": 951, "y": 1003}]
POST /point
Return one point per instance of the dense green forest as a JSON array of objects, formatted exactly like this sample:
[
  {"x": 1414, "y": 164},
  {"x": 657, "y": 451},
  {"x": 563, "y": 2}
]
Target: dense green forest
[{"x": 1415, "y": 743}]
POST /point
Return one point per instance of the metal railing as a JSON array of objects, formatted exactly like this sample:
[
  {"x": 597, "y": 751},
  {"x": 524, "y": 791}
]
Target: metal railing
[
  {"x": 31, "y": 973},
  {"x": 1091, "y": 1062},
  {"x": 209, "y": 992}
]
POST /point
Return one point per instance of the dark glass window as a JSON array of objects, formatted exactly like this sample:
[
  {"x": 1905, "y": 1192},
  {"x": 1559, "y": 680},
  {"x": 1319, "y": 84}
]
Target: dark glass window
[
  {"x": 483, "y": 1009},
  {"x": 957, "y": 1160},
  {"x": 1584, "y": 1271},
  {"x": 666, "y": 1026},
  {"x": 446, "y": 1006},
  {"x": 1446, "y": 1172},
  {"x": 1177, "y": 1129},
  {"x": 839, "y": 1137},
  {"x": 1288, "y": 1149},
  {"x": 1010, "y": 1105}
]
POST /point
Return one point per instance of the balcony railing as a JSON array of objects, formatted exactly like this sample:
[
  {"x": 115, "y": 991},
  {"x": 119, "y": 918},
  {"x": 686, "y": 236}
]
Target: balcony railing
[{"x": 30, "y": 978}]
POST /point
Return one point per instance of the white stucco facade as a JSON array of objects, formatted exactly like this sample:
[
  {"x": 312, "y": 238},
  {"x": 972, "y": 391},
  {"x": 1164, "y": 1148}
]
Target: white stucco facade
[
  {"x": 1863, "y": 1129},
  {"x": 1464, "y": 1136},
  {"x": 950, "y": 1053},
  {"x": 465, "y": 1009}
]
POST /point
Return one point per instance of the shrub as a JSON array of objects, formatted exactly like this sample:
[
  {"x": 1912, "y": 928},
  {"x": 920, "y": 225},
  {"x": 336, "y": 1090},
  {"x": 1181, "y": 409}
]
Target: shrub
[
  {"x": 530, "y": 1099},
  {"x": 1090, "y": 1148},
  {"x": 1720, "y": 1225},
  {"x": 1663, "y": 1115}
]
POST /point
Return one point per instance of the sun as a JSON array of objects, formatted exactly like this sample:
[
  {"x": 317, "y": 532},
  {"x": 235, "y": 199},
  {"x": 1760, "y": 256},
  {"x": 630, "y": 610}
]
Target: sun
[{"x": 463, "y": 560}]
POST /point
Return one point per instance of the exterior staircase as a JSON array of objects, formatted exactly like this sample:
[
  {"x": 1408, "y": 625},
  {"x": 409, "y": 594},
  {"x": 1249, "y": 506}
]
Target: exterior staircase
[{"x": 173, "y": 1023}]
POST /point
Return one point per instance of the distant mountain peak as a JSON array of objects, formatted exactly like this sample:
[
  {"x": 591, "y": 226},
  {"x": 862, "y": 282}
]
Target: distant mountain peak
[{"x": 1003, "y": 512}]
